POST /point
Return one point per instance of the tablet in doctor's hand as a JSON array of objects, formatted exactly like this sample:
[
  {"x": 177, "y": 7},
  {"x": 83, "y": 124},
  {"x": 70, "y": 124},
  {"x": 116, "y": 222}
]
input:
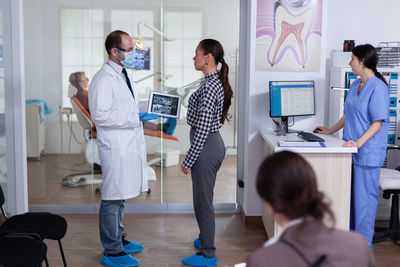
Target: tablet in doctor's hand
[{"x": 166, "y": 105}]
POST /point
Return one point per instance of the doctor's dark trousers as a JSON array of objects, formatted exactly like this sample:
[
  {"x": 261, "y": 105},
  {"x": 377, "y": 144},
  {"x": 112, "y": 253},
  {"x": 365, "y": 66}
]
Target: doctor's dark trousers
[
  {"x": 204, "y": 173},
  {"x": 111, "y": 226}
]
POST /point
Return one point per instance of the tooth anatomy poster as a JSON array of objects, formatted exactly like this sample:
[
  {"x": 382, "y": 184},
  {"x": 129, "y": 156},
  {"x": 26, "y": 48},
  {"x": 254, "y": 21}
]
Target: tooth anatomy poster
[{"x": 289, "y": 35}]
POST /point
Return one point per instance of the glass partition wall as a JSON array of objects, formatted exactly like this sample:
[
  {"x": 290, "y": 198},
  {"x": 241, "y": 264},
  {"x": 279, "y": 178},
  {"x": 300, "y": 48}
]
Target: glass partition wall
[
  {"x": 64, "y": 37},
  {"x": 3, "y": 159}
]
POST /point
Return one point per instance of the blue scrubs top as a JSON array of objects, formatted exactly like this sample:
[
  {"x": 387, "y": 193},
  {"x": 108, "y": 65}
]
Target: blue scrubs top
[{"x": 372, "y": 104}]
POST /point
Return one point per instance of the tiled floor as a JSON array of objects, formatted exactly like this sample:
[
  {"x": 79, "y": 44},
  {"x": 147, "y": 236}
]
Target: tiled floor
[{"x": 168, "y": 238}]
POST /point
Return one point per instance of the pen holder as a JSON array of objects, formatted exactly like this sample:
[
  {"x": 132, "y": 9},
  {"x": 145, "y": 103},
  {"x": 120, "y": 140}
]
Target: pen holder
[{"x": 279, "y": 130}]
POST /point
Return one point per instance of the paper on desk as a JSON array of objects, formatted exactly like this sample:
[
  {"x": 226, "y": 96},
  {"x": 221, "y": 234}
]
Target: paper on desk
[{"x": 299, "y": 144}]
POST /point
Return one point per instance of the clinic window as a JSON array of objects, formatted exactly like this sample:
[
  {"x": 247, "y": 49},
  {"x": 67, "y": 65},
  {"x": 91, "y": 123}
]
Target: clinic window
[
  {"x": 82, "y": 44},
  {"x": 186, "y": 27}
]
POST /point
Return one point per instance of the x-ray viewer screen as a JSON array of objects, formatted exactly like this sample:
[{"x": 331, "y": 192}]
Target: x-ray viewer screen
[
  {"x": 291, "y": 98},
  {"x": 142, "y": 60}
]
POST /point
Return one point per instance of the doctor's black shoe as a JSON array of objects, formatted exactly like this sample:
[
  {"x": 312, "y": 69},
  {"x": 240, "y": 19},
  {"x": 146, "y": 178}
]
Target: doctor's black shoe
[{"x": 130, "y": 246}]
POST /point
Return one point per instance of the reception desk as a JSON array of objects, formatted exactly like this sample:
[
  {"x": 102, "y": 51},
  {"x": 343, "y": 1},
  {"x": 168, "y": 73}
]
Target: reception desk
[{"x": 332, "y": 165}]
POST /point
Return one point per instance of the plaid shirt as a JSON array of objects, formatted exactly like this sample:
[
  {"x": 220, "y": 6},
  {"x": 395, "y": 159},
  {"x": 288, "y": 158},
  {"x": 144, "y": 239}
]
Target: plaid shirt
[{"x": 204, "y": 114}]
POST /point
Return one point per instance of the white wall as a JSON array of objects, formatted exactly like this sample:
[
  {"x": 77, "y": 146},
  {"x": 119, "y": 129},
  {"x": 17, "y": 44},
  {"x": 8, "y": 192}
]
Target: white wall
[
  {"x": 43, "y": 62},
  {"x": 259, "y": 108},
  {"x": 365, "y": 21},
  {"x": 43, "y": 55}
]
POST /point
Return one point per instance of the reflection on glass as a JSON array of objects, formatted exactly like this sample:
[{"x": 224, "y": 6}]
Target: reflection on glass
[
  {"x": 3, "y": 159},
  {"x": 189, "y": 26},
  {"x": 72, "y": 35}
]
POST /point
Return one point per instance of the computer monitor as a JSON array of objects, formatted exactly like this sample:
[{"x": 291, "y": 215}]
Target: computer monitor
[
  {"x": 142, "y": 60},
  {"x": 291, "y": 98}
]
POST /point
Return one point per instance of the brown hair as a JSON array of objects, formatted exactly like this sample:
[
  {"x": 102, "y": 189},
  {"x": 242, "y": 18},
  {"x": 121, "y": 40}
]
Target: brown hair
[
  {"x": 75, "y": 78},
  {"x": 114, "y": 40},
  {"x": 215, "y": 48},
  {"x": 288, "y": 183}
]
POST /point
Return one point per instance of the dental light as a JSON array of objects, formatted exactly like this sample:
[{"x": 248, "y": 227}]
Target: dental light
[{"x": 138, "y": 42}]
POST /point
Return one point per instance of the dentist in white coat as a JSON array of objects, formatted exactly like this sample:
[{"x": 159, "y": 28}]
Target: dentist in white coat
[{"x": 113, "y": 103}]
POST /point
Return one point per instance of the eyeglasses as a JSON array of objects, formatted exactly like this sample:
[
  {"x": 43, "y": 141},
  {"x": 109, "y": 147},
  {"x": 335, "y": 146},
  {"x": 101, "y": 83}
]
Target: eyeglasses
[
  {"x": 84, "y": 80},
  {"x": 124, "y": 50}
]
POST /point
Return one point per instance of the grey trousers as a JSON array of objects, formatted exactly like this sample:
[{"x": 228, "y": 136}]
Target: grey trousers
[
  {"x": 204, "y": 173},
  {"x": 111, "y": 226}
]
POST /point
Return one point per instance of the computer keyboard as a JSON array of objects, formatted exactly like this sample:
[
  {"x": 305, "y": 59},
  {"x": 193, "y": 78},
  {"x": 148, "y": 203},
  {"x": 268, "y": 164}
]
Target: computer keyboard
[{"x": 309, "y": 137}]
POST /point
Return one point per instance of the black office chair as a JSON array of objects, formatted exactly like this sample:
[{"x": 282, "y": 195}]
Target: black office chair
[
  {"x": 45, "y": 224},
  {"x": 389, "y": 183},
  {"x": 22, "y": 250}
]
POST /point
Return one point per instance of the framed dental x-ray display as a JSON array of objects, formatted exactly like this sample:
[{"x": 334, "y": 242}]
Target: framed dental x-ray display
[{"x": 288, "y": 35}]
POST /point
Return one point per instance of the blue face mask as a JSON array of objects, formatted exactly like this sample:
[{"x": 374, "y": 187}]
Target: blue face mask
[{"x": 129, "y": 60}]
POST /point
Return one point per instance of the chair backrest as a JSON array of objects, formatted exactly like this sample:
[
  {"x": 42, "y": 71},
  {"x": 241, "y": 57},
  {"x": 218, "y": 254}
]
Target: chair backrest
[
  {"x": 82, "y": 114},
  {"x": 21, "y": 250},
  {"x": 45, "y": 224}
]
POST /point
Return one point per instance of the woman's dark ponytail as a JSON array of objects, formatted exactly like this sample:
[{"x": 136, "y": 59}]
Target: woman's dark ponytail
[
  {"x": 367, "y": 54},
  {"x": 380, "y": 76},
  {"x": 319, "y": 207},
  {"x": 215, "y": 48},
  {"x": 223, "y": 76}
]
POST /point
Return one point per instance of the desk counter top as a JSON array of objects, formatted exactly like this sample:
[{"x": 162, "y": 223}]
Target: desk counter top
[{"x": 333, "y": 144}]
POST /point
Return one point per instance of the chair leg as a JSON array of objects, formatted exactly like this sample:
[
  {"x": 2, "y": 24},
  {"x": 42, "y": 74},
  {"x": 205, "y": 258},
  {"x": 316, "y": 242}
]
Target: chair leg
[
  {"x": 382, "y": 233},
  {"x": 46, "y": 261},
  {"x": 394, "y": 217},
  {"x": 62, "y": 253},
  {"x": 394, "y": 214}
]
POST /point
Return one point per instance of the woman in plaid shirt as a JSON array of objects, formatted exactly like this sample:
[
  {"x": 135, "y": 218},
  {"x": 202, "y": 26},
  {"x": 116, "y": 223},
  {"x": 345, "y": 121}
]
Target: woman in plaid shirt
[{"x": 208, "y": 110}]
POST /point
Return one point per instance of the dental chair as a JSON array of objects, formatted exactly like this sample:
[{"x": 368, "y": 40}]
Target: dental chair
[{"x": 89, "y": 147}]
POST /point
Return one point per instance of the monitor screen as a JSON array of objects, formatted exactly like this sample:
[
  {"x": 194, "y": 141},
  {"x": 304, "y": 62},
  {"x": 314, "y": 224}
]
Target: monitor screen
[
  {"x": 142, "y": 60},
  {"x": 167, "y": 105},
  {"x": 291, "y": 98}
]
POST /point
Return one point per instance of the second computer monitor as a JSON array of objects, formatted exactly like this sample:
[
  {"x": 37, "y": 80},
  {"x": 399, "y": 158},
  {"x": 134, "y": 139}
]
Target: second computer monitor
[{"x": 291, "y": 98}]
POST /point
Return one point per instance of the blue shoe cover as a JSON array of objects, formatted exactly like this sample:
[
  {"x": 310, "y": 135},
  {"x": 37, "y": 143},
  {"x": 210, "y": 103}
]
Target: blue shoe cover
[
  {"x": 171, "y": 126},
  {"x": 197, "y": 243},
  {"x": 199, "y": 260},
  {"x": 372, "y": 247},
  {"x": 133, "y": 247},
  {"x": 121, "y": 261}
]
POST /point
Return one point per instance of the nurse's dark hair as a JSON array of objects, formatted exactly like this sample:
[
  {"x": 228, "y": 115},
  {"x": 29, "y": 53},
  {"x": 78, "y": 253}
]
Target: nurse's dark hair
[
  {"x": 114, "y": 40},
  {"x": 368, "y": 55},
  {"x": 288, "y": 183},
  {"x": 217, "y": 51}
]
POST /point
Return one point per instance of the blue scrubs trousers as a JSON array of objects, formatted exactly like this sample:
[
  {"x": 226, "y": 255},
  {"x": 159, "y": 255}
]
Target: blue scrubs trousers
[{"x": 364, "y": 200}]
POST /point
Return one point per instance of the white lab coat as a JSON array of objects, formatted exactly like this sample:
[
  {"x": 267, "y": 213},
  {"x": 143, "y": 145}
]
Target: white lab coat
[{"x": 120, "y": 137}]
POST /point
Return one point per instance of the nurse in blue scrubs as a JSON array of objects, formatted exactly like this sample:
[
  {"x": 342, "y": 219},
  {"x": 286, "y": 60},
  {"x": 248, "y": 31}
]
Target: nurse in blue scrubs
[{"x": 366, "y": 124}]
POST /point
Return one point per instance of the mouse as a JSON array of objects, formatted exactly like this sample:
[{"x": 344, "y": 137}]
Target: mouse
[{"x": 317, "y": 130}]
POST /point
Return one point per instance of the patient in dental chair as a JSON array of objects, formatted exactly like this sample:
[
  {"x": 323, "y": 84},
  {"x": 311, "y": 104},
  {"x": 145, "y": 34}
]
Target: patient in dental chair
[{"x": 81, "y": 82}]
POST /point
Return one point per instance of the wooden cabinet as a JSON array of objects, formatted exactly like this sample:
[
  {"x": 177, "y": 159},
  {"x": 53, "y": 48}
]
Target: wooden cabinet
[{"x": 332, "y": 165}]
